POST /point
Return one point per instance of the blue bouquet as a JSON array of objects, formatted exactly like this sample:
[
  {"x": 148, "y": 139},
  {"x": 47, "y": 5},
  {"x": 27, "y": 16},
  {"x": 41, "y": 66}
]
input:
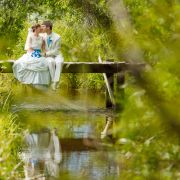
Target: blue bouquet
[{"x": 36, "y": 53}]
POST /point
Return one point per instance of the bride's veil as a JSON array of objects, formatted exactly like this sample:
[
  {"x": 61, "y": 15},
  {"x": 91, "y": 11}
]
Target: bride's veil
[{"x": 27, "y": 44}]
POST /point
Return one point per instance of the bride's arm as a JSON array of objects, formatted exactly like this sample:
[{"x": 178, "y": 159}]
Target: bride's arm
[{"x": 28, "y": 45}]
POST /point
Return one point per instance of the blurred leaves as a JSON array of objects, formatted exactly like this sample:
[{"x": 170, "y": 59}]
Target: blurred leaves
[{"x": 135, "y": 31}]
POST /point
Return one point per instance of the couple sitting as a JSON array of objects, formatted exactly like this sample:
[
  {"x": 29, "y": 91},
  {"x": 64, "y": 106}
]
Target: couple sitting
[{"x": 42, "y": 64}]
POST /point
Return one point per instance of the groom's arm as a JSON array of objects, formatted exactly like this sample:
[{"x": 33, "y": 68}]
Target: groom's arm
[{"x": 54, "y": 51}]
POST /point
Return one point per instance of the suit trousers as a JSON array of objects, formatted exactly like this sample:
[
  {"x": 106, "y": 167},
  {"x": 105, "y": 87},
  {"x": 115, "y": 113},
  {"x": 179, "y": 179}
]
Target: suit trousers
[{"x": 55, "y": 65}]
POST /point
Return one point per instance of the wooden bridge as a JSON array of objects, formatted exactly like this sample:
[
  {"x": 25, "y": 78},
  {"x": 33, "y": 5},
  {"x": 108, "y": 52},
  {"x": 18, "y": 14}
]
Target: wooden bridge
[{"x": 113, "y": 71}]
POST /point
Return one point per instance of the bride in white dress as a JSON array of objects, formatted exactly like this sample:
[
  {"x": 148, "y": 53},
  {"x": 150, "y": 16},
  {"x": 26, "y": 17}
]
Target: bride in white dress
[{"x": 32, "y": 67}]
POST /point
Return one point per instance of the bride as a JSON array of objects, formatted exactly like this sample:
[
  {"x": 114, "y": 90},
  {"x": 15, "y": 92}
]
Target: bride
[{"x": 32, "y": 67}]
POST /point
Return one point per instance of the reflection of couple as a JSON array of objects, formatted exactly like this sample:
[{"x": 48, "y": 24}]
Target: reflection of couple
[
  {"x": 43, "y": 61},
  {"x": 42, "y": 154}
]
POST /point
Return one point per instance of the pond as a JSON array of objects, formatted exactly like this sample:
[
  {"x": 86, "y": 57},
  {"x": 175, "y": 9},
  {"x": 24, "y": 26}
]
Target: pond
[{"x": 62, "y": 135}]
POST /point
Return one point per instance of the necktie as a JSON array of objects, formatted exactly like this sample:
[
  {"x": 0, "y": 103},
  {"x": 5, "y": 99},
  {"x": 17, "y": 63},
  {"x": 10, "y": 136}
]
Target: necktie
[{"x": 49, "y": 41}]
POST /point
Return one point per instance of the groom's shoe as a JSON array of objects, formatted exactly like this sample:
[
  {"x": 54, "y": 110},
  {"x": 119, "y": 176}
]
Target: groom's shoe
[
  {"x": 57, "y": 85},
  {"x": 53, "y": 86}
]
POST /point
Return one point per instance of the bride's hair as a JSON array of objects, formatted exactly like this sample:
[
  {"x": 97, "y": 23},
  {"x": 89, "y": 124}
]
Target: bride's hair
[{"x": 34, "y": 27}]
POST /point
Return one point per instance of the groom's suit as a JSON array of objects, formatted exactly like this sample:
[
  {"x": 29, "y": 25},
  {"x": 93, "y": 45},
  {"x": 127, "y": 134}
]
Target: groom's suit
[{"x": 54, "y": 57}]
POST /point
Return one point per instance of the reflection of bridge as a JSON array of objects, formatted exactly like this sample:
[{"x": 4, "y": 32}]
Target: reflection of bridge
[
  {"x": 109, "y": 68},
  {"x": 81, "y": 144}
]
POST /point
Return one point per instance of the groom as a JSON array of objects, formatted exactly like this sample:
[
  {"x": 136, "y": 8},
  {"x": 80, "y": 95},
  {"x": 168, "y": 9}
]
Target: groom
[{"x": 52, "y": 53}]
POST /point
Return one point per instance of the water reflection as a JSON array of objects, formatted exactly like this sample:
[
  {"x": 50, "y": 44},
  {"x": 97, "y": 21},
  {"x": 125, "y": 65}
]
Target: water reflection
[
  {"x": 77, "y": 122},
  {"x": 42, "y": 154},
  {"x": 107, "y": 131}
]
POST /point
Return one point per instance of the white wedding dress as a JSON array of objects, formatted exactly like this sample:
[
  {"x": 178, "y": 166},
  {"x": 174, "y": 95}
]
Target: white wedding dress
[{"x": 32, "y": 70}]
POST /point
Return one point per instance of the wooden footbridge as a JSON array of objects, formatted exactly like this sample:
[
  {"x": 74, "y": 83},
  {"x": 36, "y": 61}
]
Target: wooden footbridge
[{"x": 114, "y": 73}]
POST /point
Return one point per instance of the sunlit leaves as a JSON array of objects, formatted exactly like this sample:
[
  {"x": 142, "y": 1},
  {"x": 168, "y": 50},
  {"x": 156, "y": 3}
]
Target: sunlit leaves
[{"x": 150, "y": 30}]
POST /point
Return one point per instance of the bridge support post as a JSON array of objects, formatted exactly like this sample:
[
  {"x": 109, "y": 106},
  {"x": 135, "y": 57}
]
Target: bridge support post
[
  {"x": 119, "y": 91},
  {"x": 110, "y": 79}
]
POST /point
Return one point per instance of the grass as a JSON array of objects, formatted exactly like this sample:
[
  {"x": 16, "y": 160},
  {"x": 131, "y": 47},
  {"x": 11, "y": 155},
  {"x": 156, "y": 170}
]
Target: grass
[{"x": 10, "y": 141}]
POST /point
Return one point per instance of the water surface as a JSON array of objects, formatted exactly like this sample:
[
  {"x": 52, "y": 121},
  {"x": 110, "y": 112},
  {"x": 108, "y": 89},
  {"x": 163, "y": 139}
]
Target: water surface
[{"x": 72, "y": 119}]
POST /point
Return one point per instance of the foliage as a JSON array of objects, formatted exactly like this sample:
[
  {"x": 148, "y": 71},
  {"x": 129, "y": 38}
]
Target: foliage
[
  {"x": 137, "y": 31},
  {"x": 10, "y": 141},
  {"x": 13, "y": 13},
  {"x": 148, "y": 147}
]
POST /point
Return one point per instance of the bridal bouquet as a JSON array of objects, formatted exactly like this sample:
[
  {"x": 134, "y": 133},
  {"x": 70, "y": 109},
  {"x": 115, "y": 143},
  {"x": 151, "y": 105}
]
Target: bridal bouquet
[{"x": 36, "y": 53}]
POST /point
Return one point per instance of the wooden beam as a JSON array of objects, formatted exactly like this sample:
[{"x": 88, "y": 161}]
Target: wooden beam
[
  {"x": 81, "y": 67},
  {"x": 109, "y": 85}
]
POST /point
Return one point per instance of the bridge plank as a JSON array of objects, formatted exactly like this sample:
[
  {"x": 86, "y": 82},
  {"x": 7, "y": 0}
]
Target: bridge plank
[{"x": 80, "y": 67}]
